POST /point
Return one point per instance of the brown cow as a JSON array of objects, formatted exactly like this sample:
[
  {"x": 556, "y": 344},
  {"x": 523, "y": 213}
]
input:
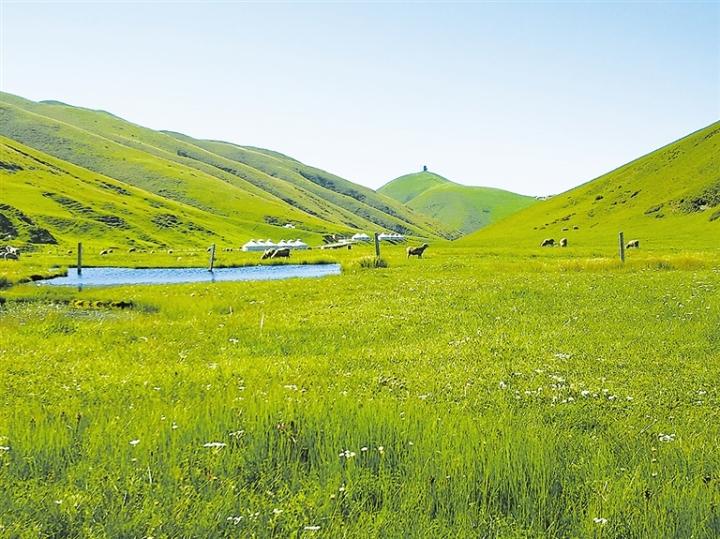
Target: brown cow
[{"x": 417, "y": 251}]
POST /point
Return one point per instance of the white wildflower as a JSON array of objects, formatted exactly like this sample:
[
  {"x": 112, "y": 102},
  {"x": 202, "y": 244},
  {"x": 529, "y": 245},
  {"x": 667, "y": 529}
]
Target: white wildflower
[
  {"x": 666, "y": 437},
  {"x": 364, "y": 449},
  {"x": 214, "y": 444},
  {"x": 277, "y": 511},
  {"x": 134, "y": 442},
  {"x": 347, "y": 454},
  {"x": 585, "y": 393},
  {"x": 600, "y": 520},
  {"x": 502, "y": 385},
  {"x": 311, "y": 528}
]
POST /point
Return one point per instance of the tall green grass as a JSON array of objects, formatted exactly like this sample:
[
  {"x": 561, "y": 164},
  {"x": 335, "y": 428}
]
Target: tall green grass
[{"x": 461, "y": 395}]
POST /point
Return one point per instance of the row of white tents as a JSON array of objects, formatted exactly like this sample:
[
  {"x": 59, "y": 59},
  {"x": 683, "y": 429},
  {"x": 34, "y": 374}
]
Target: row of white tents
[
  {"x": 382, "y": 237},
  {"x": 392, "y": 236},
  {"x": 262, "y": 245}
]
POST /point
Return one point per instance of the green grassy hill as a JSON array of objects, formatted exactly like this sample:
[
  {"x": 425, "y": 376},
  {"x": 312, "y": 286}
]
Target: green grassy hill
[
  {"x": 243, "y": 192},
  {"x": 407, "y": 187},
  {"x": 462, "y": 208},
  {"x": 668, "y": 198},
  {"x": 46, "y": 200}
]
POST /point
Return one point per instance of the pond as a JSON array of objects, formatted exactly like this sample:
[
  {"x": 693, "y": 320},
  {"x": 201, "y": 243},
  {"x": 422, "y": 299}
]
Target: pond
[{"x": 120, "y": 276}]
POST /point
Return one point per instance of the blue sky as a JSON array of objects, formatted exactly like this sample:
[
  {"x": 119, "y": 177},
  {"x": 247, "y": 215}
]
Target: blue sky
[{"x": 532, "y": 97}]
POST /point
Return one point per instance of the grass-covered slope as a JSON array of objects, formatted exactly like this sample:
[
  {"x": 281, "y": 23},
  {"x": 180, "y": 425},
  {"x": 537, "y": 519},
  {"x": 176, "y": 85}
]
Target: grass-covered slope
[
  {"x": 46, "y": 200},
  {"x": 460, "y": 207},
  {"x": 670, "y": 197},
  {"x": 326, "y": 189},
  {"x": 180, "y": 170},
  {"x": 407, "y": 187}
]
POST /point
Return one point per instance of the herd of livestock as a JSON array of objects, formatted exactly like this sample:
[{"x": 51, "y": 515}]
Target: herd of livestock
[
  {"x": 9, "y": 252},
  {"x": 550, "y": 242}
]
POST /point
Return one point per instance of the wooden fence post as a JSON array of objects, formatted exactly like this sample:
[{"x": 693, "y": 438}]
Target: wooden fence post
[
  {"x": 212, "y": 257},
  {"x": 79, "y": 258},
  {"x": 622, "y": 247},
  {"x": 377, "y": 245}
]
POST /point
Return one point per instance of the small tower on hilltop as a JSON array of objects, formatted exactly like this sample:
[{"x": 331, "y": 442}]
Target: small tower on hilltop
[{"x": 424, "y": 168}]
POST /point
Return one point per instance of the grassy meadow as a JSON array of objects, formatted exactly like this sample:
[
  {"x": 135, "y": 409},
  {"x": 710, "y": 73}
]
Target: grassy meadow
[{"x": 473, "y": 393}]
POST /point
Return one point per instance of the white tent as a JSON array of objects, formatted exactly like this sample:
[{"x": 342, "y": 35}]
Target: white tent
[
  {"x": 391, "y": 237},
  {"x": 294, "y": 244},
  {"x": 361, "y": 236},
  {"x": 300, "y": 245},
  {"x": 258, "y": 245},
  {"x": 262, "y": 245}
]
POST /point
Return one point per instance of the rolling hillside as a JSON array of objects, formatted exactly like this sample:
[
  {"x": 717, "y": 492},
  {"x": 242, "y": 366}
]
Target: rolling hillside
[
  {"x": 46, "y": 200},
  {"x": 462, "y": 208},
  {"x": 668, "y": 198},
  {"x": 239, "y": 192}
]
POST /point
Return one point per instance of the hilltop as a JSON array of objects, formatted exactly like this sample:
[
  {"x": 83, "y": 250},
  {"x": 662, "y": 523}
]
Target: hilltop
[
  {"x": 462, "y": 208},
  {"x": 56, "y": 159},
  {"x": 669, "y": 197},
  {"x": 407, "y": 187}
]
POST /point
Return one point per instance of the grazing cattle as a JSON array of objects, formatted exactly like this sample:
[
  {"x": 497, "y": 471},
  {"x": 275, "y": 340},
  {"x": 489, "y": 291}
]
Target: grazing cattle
[
  {"x": 563, "y": 242},
  {"x": 10, "y": 253},
  {"x": 417, "y": 251},
  {"x": 132, "y": 250},
  {"x": 104, "y": 252},
  {"x": 170, "y": 251},
  {"x": 633, "y": 244},
  {"x": 548, "y": 242},
  {"x": 276, "y": 253}
]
